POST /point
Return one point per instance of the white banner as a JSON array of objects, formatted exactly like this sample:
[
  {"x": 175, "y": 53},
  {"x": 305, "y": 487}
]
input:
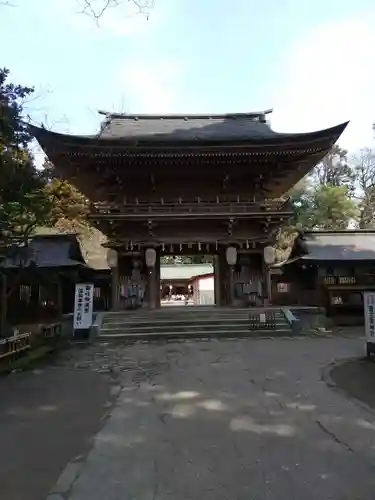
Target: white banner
[
  {"x": 83, "y": 306},
  {"x": 369, "y": 305}
]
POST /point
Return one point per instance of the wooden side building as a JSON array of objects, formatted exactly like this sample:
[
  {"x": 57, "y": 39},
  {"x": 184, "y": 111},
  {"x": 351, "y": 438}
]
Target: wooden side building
[
  {"x": 330, "y": 269},
  {"x": 39, "y": 281}
]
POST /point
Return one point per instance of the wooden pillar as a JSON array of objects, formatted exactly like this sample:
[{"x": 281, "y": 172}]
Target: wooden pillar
[
  {"x": 222, "y": 280},
  {"x": 3, "y": 305},
  {"x": 115, "y": 288},
  {"x": 152, "y": 282},
  {"x": 268, "y": 284},
  {"x": 231, "y": 257},
  {"x": 150, "y": 288},
  {"x": 217, "y": 280},
  {"x": 231, "y": 286},
  {"x": 157, "y": 280},
  {"x": 153, "y": 288},
  {"x": 59, "y": 296}
]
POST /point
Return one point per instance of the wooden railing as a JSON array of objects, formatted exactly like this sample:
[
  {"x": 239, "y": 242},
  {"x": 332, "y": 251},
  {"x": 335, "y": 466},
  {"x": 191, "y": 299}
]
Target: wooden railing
[
  {"x": 169, "y": 208},
  {"x": 12, "y": 346},
  {"x": 349, "y": 280}
]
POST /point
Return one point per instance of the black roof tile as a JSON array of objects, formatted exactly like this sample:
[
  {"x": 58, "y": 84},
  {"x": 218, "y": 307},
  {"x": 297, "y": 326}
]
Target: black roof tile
[
  {"x": 250, "y": 128},
  {"x": 46, "y": 251},
  {"x": 339, "y": 245},
  {"x": 239, "y": 127}
]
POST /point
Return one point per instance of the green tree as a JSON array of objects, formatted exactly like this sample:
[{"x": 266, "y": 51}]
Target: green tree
[
  {"x": 317, "y": 206},
  {"x": 186, "y": 259},
  {"x": 67, "y": 203},
  {"x": 302, "y": 201},
  {"x": 24, "y": 204},
  {"x": 333, "y": 208},
  {"x": 325, "y": 198}
]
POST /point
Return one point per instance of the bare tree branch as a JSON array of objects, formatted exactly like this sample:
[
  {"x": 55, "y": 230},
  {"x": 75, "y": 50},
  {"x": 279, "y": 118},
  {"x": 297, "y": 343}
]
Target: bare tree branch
[
  {"x": 365, "y": 176},
  {"x": 51, "y": 126},
  {"x": 143, "y": 6},
  {"x": 334, "y": 170},
  {"x": 365, "y": 169}
]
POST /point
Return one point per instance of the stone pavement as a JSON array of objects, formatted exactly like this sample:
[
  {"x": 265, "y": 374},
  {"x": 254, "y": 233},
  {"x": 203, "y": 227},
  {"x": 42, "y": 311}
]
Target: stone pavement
[
  {"x": 355, "y": 378},
  {"x": 236, "y": 419}
]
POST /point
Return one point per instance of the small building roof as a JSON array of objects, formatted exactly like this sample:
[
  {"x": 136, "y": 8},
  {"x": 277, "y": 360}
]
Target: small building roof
[
  {"x": 184, "y": 271},
  {"x": 335, "y": 245},
  {"x": 50, "y": 250}
]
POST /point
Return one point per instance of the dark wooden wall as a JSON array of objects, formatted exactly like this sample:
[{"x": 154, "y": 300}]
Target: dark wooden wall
[{"x": 336, "y": 286}]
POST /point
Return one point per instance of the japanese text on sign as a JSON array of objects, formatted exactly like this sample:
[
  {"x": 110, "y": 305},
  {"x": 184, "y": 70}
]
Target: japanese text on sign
[
  {"x": 83, "y": 306},
  {"x": 369, "y": 304}
]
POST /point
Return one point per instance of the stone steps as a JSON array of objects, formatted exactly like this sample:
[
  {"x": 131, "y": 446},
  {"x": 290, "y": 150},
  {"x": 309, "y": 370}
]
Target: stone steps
[
  {"x": 156, "y": 318},
  {"x": 197, "y": 334},
  {"x": 196, "y": 322},
  {"x": 184, "y": 327}
]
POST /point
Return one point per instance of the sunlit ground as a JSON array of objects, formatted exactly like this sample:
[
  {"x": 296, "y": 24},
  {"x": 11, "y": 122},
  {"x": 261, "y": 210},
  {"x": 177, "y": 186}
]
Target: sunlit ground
[{"x": 231, "y": 419}]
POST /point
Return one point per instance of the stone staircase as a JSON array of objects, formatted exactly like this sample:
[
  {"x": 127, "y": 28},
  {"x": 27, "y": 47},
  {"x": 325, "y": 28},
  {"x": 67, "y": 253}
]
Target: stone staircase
[{"x": 196, "y": 322}]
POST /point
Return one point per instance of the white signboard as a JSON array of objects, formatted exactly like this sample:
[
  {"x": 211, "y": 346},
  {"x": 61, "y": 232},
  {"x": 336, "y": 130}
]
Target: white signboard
[
  {"x": 369, "y": 304},
  {"x": 83, "y": 306}
]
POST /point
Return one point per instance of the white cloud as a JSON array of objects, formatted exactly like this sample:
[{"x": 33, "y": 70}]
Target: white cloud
[
  {"x": 152, "y": 86},
  {"x": 327, "y": 78}
]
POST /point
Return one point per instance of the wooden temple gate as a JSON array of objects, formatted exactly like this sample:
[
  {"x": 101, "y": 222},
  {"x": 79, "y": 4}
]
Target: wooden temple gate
[
  {"x": 191, "y": 185},
  {"x": 135, "y": 284}
]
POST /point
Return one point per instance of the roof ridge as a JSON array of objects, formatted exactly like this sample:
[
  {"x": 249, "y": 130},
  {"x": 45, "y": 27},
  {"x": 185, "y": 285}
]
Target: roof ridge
[
  {"x": 53, "y": 235},
  {"x": 180, "y": 265},
  {"x": 181, "y": 116},
  {"x": 340, "y": 231}
]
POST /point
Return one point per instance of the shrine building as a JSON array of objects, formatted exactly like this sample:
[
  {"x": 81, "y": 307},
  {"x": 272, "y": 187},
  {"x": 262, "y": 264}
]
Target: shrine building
[{"x": 188, "y": 185}]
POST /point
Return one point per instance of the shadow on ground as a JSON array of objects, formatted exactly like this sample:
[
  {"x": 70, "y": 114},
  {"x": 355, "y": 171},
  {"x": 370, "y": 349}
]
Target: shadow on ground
[
  {"x": 228, "y": 419},
  {"x": 48, "y": 416},
  {"x": 356, "y": 378}
]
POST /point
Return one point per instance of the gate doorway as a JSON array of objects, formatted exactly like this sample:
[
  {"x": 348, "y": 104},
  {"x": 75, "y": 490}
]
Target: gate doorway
[{"x": 187, "y": 280}]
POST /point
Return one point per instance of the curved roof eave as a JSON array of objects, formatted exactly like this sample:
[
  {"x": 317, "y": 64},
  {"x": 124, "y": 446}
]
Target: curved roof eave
[{"x": 48, "y": 138}]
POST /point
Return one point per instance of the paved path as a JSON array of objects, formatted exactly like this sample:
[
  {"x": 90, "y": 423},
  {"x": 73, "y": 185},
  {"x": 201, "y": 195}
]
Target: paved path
[
  {"x": 47, "y": 418},
  {"x": 245, "y": 419},
  {"x": 356, "y": 377}
]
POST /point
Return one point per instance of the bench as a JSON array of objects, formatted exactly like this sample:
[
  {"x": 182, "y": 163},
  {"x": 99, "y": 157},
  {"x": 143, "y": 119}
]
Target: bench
[{"x": 14, "y": 345}]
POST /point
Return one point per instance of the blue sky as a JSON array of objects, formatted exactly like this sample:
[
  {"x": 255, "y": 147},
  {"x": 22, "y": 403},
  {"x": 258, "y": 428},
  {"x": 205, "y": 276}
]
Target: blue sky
[{"x": 312, "y": 61}]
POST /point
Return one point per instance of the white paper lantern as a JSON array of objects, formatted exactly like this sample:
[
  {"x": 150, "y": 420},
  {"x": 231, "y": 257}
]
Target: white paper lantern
[
  {"x": 112, "y": 258},
  {"x": 150, "y": 256},
  {"x": 269, "y": 255},
  {"x": 231, "y": 256}
]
